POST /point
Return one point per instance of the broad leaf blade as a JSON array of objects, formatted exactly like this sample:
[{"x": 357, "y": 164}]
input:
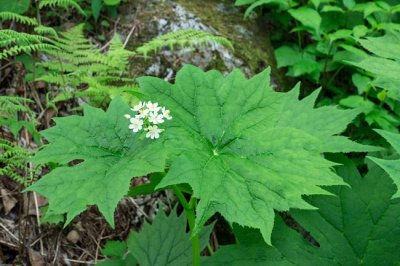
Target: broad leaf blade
[
  {"x": 165, "y": 241},
  {"x": 386, "y": 46},
  {"x": 358, "y": 227},
  {"x": 308, "y": 17},
  {"x": 111, "y": 156},
  {"x": 244, "y": 149},
  {"x": 392, "y": 167}
]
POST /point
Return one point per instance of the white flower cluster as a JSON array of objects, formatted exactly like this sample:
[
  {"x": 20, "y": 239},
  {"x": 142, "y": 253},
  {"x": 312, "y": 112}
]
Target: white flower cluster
[{"x": 148, "y": 116}]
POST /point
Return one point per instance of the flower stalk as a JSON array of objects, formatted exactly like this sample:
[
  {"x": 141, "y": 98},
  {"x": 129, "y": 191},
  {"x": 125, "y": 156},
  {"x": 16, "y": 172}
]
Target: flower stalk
[{"x": 189, "y": 208}]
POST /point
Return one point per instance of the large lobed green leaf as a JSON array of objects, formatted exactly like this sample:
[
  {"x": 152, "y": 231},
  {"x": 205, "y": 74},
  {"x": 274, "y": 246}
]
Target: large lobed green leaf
[
  {"x": 392, "y": 167},
  {"x": 15, "y": 6},
  {"x": 384, "y": 64},
  {"x": 111, "y": 156},
  {"x": 244, "y": 149},
  {"x": 164, "y": 242},
  {"x": 358, "y": 227}
]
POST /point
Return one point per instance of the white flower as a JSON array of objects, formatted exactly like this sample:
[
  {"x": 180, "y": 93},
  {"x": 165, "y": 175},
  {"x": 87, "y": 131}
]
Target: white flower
[
  {"x": 136, "y": 124},
  {"x": 127, "y": 116},
  {"x": 138, "y": 107},
  {"x": 143, "y": 113},
  {"x": 153, "y": 132},
  {"x": 165, "y": 113},
  {"x": 153, "y": 107},
  {"x": 156, "y": 118}
]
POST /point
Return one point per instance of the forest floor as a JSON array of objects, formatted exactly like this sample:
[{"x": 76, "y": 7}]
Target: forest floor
[{"x": 23, "y": 240}]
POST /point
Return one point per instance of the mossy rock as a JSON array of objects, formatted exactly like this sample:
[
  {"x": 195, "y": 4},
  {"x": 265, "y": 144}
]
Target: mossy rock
[{"x": 252, "y": 47}]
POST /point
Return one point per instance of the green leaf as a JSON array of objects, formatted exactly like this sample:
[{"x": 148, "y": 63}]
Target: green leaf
[
  {"x": 387, "y": 46},
  {"x": 283, "y": 5},
  {"x": 112, "y": 10},
  {"x": 51, "y": 219},
  {"x": 306, "y": 65},
  {"x": 374, "y": 114},
  {"x": 362, "y": 83},
  {"x": 392, "y": 167},
  {"x": 111, "y": 156},
  {"x": 368, "y": 8},
  {"x": 287, "y": 56},
  {"x": 165, "y": 241},
  {"x": 360, "y": 31},
  {"x": 332, "y": 9},
  {"x": 340, "y": 34},
  {"x": 243, "y": 2},
  {"x": 356, "y": 101},
  {"x": 381, "y": 95},
  {"x": 307, "y": 17},
  {"x": 96, "y": 8},
  {"x": 384, "y": 64},
  {"x": 129, "y": 260},
  {"x": 386, "y": 72},
  {"x": 244, "y": 149},
  {"x": 112, "y": 2},
  {"x": 315, "y": 3},
  {"x": 114, "y": 249},
  {"x": 147, "y": 188},
  {"x": 351, "y": 53},
  {"x": 360, "y": 226},
  {"x": 299, "y": 63},
  {"x": 381, "y": 117},
  {"x": 15, "y": 6},
  {"x": 349, "y": 4}
]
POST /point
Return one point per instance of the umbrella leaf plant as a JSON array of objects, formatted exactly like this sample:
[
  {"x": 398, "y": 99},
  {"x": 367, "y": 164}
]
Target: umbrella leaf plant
[{"x": 223, "y": 144}]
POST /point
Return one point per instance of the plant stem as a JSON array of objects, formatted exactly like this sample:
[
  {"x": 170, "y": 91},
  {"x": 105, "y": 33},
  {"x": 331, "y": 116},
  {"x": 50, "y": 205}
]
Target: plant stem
[
  {"x": 191, "y": 216},
  {"x": 324, "y": 87},
  {"x": 181, "y": 197},
  {"x": 210, "y": 249}
]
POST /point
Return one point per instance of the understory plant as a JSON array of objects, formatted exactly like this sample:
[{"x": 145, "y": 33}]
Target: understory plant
[
  {"x": 226, "y": 145},
  {"x": 284, "y": 173},
  {"x": 16, "y": 117},
  {"x": 341, "y": 46},
  {"x": 74, "y": 67},
  {"x": 80, "y": 69}
]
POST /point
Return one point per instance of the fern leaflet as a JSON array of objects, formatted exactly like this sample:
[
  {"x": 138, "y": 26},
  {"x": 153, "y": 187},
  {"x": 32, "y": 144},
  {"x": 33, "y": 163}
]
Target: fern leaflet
[
  {"x": 183, "y": 38},
  {"x": 14, "y": 160},
  {"x": 61, "y": 3},
  {"x": 19, "y": 18}
]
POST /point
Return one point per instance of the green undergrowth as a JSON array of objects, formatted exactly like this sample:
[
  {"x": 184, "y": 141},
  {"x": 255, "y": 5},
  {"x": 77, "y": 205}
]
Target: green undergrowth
[{"x": 309, "y": 176}]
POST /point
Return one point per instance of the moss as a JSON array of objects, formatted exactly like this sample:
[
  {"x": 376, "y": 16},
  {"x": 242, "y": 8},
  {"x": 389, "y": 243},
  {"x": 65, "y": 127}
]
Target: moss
[
  {"x": 251, "y": 48},
  {"x": 249, "y": 36}
]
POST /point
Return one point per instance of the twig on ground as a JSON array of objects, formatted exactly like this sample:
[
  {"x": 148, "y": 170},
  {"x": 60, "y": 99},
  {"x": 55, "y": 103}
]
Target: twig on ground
[
  {"x": 138, "y": 208},
  {"x": 9, "y": 232}
]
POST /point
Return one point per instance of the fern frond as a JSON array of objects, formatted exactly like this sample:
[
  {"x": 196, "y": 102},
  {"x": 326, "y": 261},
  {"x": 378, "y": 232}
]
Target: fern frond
[
  {"x": 24, "y": 49},
  {"x": 19, "y": 18},
  {"x": 11, "y": 105},
  {"x": 15, "y": 42},
  {"x": 11, "y": 110},
  {"x": 100, "y": 93},
  {"x": 78, "y": 62},
  {"x": 60, "y": 79},
  {"x": 43, "y": 30},
  {"x": 113, "y": 79},
  {"x": 15, "y": 163},
  {"x": 61, "y": 3},
  {"x": 183, "y": 38},
  {"x": 22, "y": 36}
]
